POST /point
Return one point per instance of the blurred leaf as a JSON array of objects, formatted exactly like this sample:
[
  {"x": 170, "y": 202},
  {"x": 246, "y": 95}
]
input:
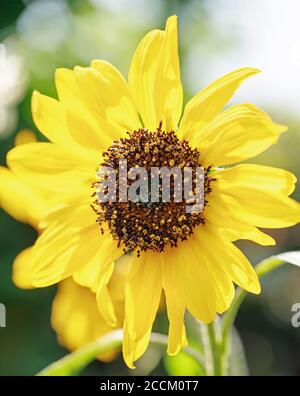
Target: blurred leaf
[
  {"x": 182, "y": 364},
  {"x": 269, "y": 264},
  {"x": 290, "y": 257}
]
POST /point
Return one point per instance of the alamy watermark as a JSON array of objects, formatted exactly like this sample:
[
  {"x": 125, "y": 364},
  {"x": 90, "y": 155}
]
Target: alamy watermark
[
  {"x": 158, "y": 184},
  {"x": 2, "y": 315},
  {"x": 296, "y": 316}
]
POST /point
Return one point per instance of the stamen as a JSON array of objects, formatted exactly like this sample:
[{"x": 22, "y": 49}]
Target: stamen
[{"x": 142, "y": 226}]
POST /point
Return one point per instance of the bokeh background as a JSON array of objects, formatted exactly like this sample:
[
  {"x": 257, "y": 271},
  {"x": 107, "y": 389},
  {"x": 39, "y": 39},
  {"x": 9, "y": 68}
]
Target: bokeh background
[{"x": 216, "y": 36}]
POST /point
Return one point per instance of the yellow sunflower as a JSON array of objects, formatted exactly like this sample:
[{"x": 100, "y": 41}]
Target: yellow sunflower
[
  {"x": 75, "y": 316},
  {"x": 98, "y": 118}
]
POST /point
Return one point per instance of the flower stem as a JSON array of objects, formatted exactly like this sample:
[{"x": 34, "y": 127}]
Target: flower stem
[
  {"x": 263, "y": 268},
  {"x": 75, "y": 362},
  {"x": 215, "y": 348}
]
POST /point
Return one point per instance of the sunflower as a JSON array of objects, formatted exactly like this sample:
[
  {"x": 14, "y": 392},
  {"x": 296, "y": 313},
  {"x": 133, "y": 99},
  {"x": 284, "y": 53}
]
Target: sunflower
[
  {"x": 98, "y": 118},
  {"x": 76, "y": 319},
  {"x": 75, "y": 316}
]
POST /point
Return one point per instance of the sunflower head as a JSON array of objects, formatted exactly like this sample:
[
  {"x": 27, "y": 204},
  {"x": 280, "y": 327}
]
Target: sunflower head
[
  {"x": 151, "y": 221},
  {"x": 190, "y": 257}
]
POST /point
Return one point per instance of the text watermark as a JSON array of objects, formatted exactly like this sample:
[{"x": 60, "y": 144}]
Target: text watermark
[
  {"x": 158, "y": 184},
  {"x": 2, "y": 315}
]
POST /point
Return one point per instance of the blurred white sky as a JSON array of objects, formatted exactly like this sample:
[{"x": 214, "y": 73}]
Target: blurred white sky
[{"x": 264, "y": 34}]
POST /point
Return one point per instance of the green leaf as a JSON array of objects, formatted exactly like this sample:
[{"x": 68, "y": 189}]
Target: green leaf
[
  {"x": 269, "y": 264},
  {"x": 290, "y": 257}
]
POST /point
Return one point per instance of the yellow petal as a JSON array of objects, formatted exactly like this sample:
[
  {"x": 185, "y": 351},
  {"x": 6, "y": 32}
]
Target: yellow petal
[
  {"x": 71, "y": 97},
  {"x": 54, "y": 121},
  {"x": 207, "y": 104},
  {"x": 105, "y": 305},
  {"x": 75, "y": 318},
  {"x": 224, "y": 289},
  {"x": 21, "y": 269},
  {"x": 68, "y": 90},
  {"x": 19, "y": 200},
  {"x": 259, "y": 208},
  {"x": 59, "y": 259},
  {"x": 259, "y": 177},
  {"x": 117, "y": 104},
  {"x": 97, "y": 96},
  {"x": 238, "y": 190},
  {"x": 25, "y": 136},
  {"x": 227, "y": 258},
  {"x": 49, "y": 116},
  {"x": 85, "y": 134},
  {"x": 121, "y": 271},
  {"x": 75, "y": 212},
  {"x": 97, "y": 273},
  {"x": 104, "y": 300},
  {"x": 239, "y": 133},
  {"x": 154, "y": 78},
  {"x": 58, "y": 252},
  {"x": 175, "y": 309},
  {"x": 133, "y": 350},
  {"x": 51, "y": 167},
  {"x": 87, "y": 276},
  {"x": 233, "y": 228},
  {"x": 107, "y": 278},
  {"x": 193, "y": 279},
  {"x": 143, "y": 293},
  {"x": 94, "y": 272},
  {"x": 92, "y": 87}
]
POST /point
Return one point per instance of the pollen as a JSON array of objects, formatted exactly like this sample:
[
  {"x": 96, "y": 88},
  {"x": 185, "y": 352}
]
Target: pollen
[{"x": 141, "y": 226}]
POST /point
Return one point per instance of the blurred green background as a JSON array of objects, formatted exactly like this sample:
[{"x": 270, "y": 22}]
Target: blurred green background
[{"x": 215, "y": 37}]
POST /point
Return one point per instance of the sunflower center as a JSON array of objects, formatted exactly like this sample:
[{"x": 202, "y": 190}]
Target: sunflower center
[{"x": 147, "y": 222}]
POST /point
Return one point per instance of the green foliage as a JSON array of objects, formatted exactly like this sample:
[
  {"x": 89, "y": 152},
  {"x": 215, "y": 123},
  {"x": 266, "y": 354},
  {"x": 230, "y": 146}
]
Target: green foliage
[{"x": 182, "y": 364}]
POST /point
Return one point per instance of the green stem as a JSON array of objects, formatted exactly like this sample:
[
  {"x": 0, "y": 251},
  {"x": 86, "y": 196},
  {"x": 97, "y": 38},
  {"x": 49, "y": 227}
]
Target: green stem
[
  {"x": 214, "y": 348},
  {"x": 206, "y": 347},
  {"x": 263, "y": 268},
  {"x": 76, "y": 361},
  {"x": 227, "y": 324},
  {"x": 228, "y": 320}
]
